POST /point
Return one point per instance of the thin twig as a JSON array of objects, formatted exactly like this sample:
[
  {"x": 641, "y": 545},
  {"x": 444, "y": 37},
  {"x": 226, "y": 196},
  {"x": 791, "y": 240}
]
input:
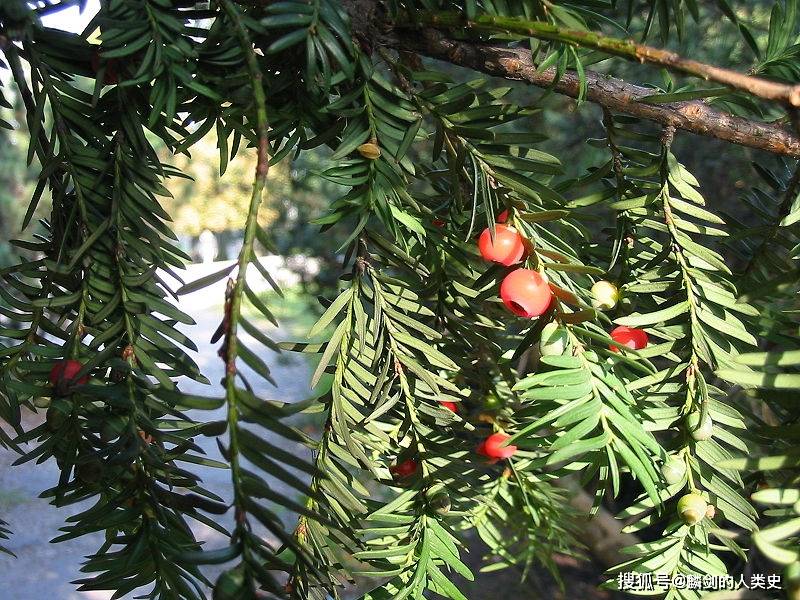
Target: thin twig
[{"x": 235, "y": 290}]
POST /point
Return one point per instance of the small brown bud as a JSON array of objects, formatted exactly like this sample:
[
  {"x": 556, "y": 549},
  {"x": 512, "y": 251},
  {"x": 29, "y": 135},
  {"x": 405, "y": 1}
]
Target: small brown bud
[
  {"x": 370, "y": 150},
  {"x": 486, "y": 418}
]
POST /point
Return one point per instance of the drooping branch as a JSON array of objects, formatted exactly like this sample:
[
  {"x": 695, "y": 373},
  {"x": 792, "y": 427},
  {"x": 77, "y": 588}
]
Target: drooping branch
[
  {"x": 756, "y": 86},
  {"x": 613, "y": 93}
]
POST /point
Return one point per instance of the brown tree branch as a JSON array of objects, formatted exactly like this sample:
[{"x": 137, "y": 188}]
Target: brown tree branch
[
  {"x": 756, "y": 86},
  {"x": 610, "y": 92}
]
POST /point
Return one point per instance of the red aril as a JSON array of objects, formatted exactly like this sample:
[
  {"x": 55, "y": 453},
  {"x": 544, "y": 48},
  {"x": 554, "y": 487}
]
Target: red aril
[
  {"x": 404, "y": 469},
  {"x": 507, "y": 247},
  {"x": 493, "y": 449},
  {"x": 449, "y": 405},
  {"x": 526, "y": 293},
  {"x": 630, "y": 337},
  {"x": 64, "y": 372}
]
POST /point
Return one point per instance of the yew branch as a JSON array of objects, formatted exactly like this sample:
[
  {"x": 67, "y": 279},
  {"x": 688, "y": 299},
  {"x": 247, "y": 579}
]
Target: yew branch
[
  {"x": 614, "y": 94},
  {"x": 626, "y": 48}
]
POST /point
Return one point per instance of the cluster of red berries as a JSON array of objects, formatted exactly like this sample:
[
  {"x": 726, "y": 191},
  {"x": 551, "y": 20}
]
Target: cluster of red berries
[
  {"x": 494, "y": 448},
  {"x": 527, "y": 294},
  {"x": 524, "y": 291}
]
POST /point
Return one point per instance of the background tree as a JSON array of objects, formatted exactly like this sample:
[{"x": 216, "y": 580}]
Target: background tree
[
  {"x": 446, "y": 412},
  {"x": 15, "y": 182}
]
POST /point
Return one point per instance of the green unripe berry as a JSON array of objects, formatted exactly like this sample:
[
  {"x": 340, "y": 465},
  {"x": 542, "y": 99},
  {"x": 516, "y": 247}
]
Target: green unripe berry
[
  {"x": 605, "y": 295},
  {"x": 438, "y": 499},
  {"x": 692, "y": 508},
  {"x": 58, "y": 413},
  {"x": 493, "y": 402},
  {"x": 41, "y": 402},
  {"x": 674, "y": 470},
  {"x": 554, "y": 340},
  {"x": 700, "y": 430},
  {"x": 230, "y": 585},
  {"x": 440, "y": 502}
]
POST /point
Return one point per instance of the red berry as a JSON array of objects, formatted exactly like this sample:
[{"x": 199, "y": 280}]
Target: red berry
[
  {"x": 526, "y": 293},
  {"x": 630, "y": 337},
  {"x": 507, "y": 248},
  {"x": 64, "y": 371},
  {"x": 481, "y": 449},
  {"x": 439, "y": 223},
  {"x": 404, "y": 469},
  {"x": 492, "y": 447},
  {"x": 503, "y": 216},
  {"x": 449, "y": 405}
]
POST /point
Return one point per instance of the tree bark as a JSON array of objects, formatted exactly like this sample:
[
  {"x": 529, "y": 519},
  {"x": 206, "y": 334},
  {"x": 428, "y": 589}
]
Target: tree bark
[
  {"x": 766, "y": 89},
  {"x": 613, "y": 93}
]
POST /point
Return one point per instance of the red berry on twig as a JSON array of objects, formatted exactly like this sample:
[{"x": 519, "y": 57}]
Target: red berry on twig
[
  {"x": 64, "y": 372},
  {"x": 630, "y": 337},
  {"x": 492, "y": 447},
  {"x": 507, "y": 247},
  {"x": 404, "y": 469},
  {"x": 526, "y": 293}
]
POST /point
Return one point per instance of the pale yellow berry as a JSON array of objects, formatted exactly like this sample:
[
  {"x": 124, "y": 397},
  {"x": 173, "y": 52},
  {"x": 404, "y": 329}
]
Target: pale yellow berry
[
  {"x": 673, "y": 470},
  {"x": 700, "y": 431},
  {"x": 692, "y": 508},
  {"x": 554, "y": 340},
  {"x": 605, "y": 295}
]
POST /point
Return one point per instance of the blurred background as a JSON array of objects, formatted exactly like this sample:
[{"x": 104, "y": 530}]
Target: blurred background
[{"x": 209, "y": 211}]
